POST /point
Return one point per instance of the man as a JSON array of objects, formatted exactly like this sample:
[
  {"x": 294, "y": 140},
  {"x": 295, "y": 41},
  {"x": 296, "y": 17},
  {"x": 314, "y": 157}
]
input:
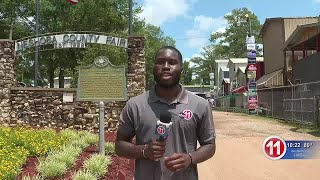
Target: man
[{"x": 192, "y": 121}]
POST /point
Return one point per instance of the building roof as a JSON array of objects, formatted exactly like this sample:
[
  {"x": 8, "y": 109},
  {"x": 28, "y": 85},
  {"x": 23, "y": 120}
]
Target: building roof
[
  {"x": 221, "y": 60},
  {"x": 301, "y": 34},
  {"x": 239, "y": 60},
  {"x": 244, "y": 60},
  {"x": 224, "y": 69},
  {"x": 226, "y": 80},
  {"x": 261, "y": 81},
  {"x": 242, "y": 69},
  {"x": 268, "y": 20}
]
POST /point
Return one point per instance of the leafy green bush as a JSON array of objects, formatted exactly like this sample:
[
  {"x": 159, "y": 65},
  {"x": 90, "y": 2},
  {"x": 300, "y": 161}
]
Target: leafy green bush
[
  {"x": 72, "y": 150},
  {"x": 16, "y": 144},
  {"x": 110, "y": 149},
  {"x": 84, "y": 175},
  {"x": 64, "y": 157},
  {"x": 32, "y": 178},
  {"x": 51, "y": 168},
  {"x": 81, "y": 143},
  {"x": 70, "y": 134},
  {"x": 91, "y": 138},
  {"x": 97, "y": 164},
  {"x": 11, "y": 161}
]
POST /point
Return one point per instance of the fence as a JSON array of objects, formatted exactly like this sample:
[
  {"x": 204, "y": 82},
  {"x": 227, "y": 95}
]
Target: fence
[{"x": 298, "y": 103}]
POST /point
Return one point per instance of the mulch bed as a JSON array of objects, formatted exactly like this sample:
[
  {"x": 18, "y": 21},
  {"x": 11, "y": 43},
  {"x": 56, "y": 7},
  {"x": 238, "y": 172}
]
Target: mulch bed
[{"x": 117, "y": 164}]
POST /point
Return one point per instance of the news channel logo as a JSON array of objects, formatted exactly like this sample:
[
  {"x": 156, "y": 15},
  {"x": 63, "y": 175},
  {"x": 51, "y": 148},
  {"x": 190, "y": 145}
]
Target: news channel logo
[{"x": 275, "y": 148}]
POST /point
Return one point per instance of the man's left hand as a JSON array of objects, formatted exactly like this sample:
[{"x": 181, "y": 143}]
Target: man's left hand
[{"x": 177, "y": 162}]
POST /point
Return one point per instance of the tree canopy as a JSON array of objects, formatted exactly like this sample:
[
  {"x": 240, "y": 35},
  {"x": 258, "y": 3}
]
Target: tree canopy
[
  {"x": 17, "y": 20},
  {"x": 232, "y": 42}
]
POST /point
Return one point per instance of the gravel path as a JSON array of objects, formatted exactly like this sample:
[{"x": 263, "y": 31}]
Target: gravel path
[{"x": 239, "y": 151}]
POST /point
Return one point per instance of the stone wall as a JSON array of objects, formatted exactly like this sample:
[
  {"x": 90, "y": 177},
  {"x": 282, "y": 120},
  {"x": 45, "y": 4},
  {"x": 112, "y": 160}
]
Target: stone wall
[
  {"x": 7, "y": 78},
  {"x": 45, "y": 107},
  {"x": 136, "y": 66}
]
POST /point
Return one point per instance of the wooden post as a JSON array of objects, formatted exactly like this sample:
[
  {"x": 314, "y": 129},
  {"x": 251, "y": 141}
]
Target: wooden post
[
  {"x": 304, "y": 50},
  {"x": 316, "y": 111},
  {"x": 317, "y": 43},
  {"x": 293, "y": 67}
]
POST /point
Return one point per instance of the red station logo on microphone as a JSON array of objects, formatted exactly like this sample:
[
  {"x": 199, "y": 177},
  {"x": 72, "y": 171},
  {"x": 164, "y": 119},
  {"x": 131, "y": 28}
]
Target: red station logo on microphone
[{"x": 161, "y": 130}]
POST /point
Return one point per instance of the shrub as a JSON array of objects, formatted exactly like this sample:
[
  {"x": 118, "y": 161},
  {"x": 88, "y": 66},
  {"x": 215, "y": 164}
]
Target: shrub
[
  {"x": 84, "y": 175},
  {"x": 110, "y": 149},
  {"x": 51, "y": 168},
  {"x": 11, "y": 159},
  {"x": 16, "y": 144},
  {"x": 37, "y": 177},
  {"x": 64, "y": 157},
  {"x": 70, "y": 134},
  {"x": 81, "y": 143},
  {"x": 97, "y": 164},
  {"x": 72, "y": 150},
  {"x": 91, "y": 138}
]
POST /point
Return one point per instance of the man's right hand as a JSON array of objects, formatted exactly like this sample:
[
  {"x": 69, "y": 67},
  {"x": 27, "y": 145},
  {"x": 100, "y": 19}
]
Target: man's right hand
[{"x": 155, "y": 150}]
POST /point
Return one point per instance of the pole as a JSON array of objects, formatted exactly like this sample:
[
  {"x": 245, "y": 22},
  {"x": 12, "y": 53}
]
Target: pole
[
  {"x": 251, "y": 52},
  {"x": 101, "y": 129},
  {"x": 130, "y": 17},
  {"x": 250, "y": 30},
  {"x": 36, "y": 50},
  {"x": 317, "y": 43},
  {"x": 249, "y": 23},
  {"x": 293, "y": 67}
]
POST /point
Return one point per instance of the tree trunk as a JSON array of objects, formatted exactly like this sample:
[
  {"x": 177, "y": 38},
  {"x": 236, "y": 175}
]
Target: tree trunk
[
  {"x": 10, "y": 33},
  {"x": 51, "y": 77},
  {"x": 61, "y": 78}
]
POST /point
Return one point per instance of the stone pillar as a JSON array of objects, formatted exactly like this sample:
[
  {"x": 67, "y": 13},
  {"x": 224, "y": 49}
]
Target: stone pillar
[
  {"x": 136, "y": 66},
  {"x": 7, "y": 79}
]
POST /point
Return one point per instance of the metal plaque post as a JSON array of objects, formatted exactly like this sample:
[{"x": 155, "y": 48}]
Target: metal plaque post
[
  {"x": 101, "y": 129},
  {"x": 112, "y": 87}
]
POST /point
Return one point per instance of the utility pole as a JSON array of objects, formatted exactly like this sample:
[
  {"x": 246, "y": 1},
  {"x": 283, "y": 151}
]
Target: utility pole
[
  {"x": 36, "y": 70},
  {"x": 252, "y": 70},
  {"x": 130, "y": 17},
  {"x": 249, "y": 23}
]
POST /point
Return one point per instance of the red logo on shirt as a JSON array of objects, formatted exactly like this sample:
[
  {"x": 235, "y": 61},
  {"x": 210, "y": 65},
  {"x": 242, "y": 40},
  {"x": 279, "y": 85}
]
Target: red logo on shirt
[
  {"x": 161, "y": 130},
  {"x": 187, "y": 114}
]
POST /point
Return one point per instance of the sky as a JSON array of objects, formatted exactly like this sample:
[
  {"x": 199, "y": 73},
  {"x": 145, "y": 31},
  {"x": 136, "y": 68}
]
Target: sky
[{"x": 190, "y": 22}]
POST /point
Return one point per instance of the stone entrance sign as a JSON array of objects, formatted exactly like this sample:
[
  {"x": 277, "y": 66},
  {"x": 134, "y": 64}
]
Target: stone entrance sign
[
  {"x": 102, "y": 81},
  {"x": 57, "y": 108}
]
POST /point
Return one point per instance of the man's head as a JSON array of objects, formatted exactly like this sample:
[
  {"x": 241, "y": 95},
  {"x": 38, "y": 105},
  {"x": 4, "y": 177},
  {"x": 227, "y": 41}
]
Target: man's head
[{"x": 167, "y": 67}]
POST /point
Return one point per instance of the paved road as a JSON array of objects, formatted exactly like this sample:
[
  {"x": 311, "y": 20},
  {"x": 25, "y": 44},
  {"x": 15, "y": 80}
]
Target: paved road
[{"x": 239, "y": 151}]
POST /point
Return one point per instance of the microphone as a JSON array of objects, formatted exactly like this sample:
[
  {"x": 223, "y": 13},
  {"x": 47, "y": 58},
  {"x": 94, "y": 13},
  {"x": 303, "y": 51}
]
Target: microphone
[{"x": 163, "y": 125}]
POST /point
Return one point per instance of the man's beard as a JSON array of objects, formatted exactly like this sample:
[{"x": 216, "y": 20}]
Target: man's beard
[{"x": 167, "y": 83}]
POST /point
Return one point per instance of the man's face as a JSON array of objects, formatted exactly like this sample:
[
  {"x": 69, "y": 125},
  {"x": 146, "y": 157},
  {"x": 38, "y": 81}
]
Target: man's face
[{"x": 167, "y": 68}]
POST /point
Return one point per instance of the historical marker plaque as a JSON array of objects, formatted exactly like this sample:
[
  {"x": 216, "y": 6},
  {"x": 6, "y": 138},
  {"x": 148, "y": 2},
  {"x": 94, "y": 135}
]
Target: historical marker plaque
[{"x": 102, "y": 81}]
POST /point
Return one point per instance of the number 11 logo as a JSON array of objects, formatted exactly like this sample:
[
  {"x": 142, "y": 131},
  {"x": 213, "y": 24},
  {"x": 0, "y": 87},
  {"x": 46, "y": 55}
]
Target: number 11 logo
[{"x": 274, "y": 147}]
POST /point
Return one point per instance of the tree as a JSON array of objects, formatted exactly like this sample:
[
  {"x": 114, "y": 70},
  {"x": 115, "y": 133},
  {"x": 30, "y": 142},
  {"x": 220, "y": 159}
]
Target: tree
[
  {"x": 14, "y": 14},
  {"x": 232, "y": 42},
  {"x": 109, "y": 16},
  {"x": 204, "y": 64},
  {"x": 186, "y": 78},
  {"x": 99, "y": 15},
  {"x": 155, "y": 39}
]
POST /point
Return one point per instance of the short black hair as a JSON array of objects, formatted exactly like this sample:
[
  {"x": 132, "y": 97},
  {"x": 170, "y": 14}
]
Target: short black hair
[{"x": 171, "y": 48}]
